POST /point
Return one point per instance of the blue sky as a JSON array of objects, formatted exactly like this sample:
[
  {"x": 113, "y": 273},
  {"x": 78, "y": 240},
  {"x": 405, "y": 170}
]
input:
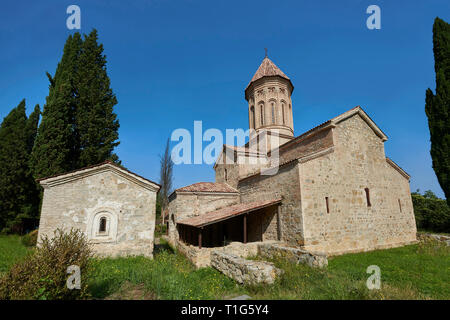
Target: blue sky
[{"x": 174, "y": 62}]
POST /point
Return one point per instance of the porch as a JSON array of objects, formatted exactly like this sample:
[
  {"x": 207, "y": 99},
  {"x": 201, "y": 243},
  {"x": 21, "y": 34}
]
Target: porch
[{"x": 245, "y": 222}]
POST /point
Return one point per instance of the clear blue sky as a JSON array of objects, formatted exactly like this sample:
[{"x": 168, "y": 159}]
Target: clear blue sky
[{"x": 173, "y": 62}]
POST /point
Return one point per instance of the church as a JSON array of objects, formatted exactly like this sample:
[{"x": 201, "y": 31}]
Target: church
[{"x": 330, "y": 190}]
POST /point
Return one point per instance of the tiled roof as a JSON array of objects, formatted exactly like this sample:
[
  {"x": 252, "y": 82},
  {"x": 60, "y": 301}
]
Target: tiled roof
[
  {"x": 207, "y": 187},
  {"x": 267, "y": 69},
  {"x": 227, "y": 213}
]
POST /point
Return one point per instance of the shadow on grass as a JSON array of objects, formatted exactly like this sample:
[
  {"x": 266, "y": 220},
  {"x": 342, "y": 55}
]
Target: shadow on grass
[{"x": 164, "y": 246}]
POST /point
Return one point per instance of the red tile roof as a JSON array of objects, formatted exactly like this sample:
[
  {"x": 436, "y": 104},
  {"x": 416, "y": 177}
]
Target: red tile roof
[
  {"x": 268, "y": 68},
  {"x": 227, "y": 213},
  {"x": 207, "y": 187}
]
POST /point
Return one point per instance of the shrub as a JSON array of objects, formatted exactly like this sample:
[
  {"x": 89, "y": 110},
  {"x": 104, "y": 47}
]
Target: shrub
[
  {"x": 30, "y": 239},
  {"x": 160, "y": 229},
  {"x": 43, "y": 275},
  {"x": 432, "y": 213}
]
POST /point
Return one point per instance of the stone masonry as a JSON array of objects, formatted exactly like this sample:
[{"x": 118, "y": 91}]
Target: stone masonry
[
  {"x": 242, "y": 270},
  {"x": 339, "y": 192},
  {"x": 81, "y": 199}
]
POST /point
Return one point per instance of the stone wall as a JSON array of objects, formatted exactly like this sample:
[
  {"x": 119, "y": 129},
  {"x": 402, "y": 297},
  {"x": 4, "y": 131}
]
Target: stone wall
[
  {"x": 202, "y": 257},
  {"x": 434, "y": 237},
  {"x": 358, "y": 162},
  {"x": 307, "y": 145},
  {"x": 296, "y": 255},
  {"x": 285, "y": 184},
  {"x": 189, "y": 204},
  {"x": 242, "y": 270},
  {"x": 77, "y": 203}
]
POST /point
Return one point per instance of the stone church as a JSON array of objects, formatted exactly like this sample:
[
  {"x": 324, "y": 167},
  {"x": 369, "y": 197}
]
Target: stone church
[
  {"x": 333, "y": 190},
  {"x": 330, "y": 190}
]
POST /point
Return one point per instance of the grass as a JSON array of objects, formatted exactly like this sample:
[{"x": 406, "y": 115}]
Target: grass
[
  {"x": 419, "y": 271},
  {"x": 167, "y": 276},
  {"x": 11, "y": 251}
]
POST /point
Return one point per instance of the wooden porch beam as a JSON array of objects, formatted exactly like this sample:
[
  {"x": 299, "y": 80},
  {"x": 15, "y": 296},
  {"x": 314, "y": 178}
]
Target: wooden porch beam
[
  {"x": 200, "y": 231},
  {"x": 245, "y": 228}
]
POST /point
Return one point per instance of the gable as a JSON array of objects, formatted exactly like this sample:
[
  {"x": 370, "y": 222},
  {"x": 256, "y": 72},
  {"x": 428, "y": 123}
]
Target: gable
[
  {"x": 96, "y": 170},
  {"x": 364, "y": 116}
]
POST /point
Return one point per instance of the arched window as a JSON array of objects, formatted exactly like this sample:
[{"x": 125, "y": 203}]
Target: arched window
[
  {"x": 252, "y": 117},
  {"x": 226, "y": 175},
  {"x": 102, "y": 225},
  {"x": 273, "y": 113},
  {"x": 262, "y": 114},
  {"x": 282, "y": 113}
]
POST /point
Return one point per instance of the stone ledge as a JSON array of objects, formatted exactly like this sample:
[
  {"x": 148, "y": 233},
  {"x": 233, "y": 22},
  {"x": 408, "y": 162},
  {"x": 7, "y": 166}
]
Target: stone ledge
[
  {"x": 242, "y": 270},
  {"x": 296, "y": 255},
  {"x": 435, "y": 237},
  {"x": 202, "y": 257}
]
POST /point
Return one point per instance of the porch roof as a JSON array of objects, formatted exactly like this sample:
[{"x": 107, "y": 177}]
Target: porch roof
[{"x": 227, "y": 213}]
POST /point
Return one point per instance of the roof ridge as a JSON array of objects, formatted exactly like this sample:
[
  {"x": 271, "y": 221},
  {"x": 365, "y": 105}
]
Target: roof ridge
[
  {"x": 118, "y": 166},
  {"x": 267, "y": 68}
]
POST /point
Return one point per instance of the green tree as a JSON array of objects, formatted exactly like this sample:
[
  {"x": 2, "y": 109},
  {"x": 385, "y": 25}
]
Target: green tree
[
  {"x": 432, "y": 214},
  {"x": 165, "y": 180},
  {"x": 19, "y": 197},
  {"x": 55, "y": 148},
  {"x": 437, "y": 106},
  {"x": 32, "y": 127},
  {"x": 96, "y": 123}
]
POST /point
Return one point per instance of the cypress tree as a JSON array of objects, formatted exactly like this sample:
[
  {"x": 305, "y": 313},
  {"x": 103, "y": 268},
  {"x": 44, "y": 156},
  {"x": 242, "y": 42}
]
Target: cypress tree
[
  {"x": 96, "y": 123},
  {"x": 55, "y": 148},
  {"x": 18, "y": 192},
  {"x": 32, "y": 127},
  {"x": 437, "y": 107}
]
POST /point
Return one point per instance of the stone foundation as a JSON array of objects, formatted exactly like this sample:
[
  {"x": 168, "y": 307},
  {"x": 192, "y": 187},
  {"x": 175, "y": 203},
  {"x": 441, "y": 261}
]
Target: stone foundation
[
  {"x": 202, "y": 257},
  {"x": 435, "y": 237},
  {"x": 295, "y": 255},
  {"x": 242, "y": 270}
]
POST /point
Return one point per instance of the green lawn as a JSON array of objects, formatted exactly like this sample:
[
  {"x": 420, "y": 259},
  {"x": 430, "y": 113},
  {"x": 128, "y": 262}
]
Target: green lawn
[
  {"x": 413, "y": 272},
  {"x": 11, "y": 251}
]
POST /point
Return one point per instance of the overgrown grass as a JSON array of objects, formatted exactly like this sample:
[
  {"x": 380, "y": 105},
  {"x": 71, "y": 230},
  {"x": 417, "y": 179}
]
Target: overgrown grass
[
  {"x": 423, "y": 267},
  {"x": 419, "y": 271},
  {"x": 168, "y": 276},
  {"x": 11, "y": 251}
]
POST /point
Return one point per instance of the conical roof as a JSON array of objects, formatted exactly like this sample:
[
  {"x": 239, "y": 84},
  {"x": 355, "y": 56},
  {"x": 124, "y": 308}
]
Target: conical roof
[{"x": 268, "y": 69}]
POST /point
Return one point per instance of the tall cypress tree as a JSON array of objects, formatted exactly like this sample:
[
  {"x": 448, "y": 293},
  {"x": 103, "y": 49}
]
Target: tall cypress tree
[
  {"x": 56, "y": 147},
  {"x": 96, "y": 123},
  {"x": 437, "y": 106},
  {"x": 18, "y": 193},
  {"x": 32, "y": 127}
]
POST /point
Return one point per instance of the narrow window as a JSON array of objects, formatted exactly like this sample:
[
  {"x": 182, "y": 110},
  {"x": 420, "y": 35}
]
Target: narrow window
[
  {"x": 400, "y": 205},
  {"x": 226, "y": 175},
  {"x": 102, "y": 227},
  {"x": 328, "y": 206},
  {"x": 273, "y": 113},
  {"x": 262, "y": 114},
  {"x": 252, "y": 115},
  {"x": 282, "y": 113},
  {"x": 367, "y": 197}
]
